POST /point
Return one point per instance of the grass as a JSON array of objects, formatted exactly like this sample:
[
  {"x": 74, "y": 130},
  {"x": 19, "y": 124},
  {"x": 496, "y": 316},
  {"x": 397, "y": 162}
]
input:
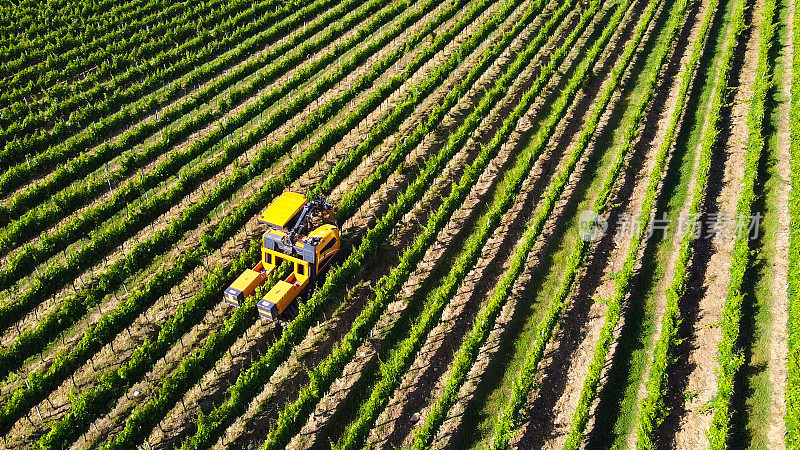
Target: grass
[
  {"x": 632, "y": 356},
  {"x": 753, "y": 415},
  {"x": 476, "y": 412},
  {"x": 563, "y": 241}
]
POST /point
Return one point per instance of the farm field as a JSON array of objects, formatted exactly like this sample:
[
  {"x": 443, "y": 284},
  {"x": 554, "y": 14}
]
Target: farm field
[{"x": 564, "y": 224}]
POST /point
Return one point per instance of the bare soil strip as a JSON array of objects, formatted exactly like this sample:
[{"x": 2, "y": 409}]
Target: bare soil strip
[
  {"x": 262, "y": 408},
  {"x": 760, "y": 414},
  {"x": 150, "y": 327},
  {"x": 550, "y": 410},
  {"x": 424, "y": 378},
  {"x": 344, "y": 388},
  {"x": 560, "y": 142},
  {"x": 778, "y": 346},
  {"x": 222, "y": 376},
  {"x": 709, "y": 293},
  {"x": 624, "y": 384},
  {"x": 778, "y": 337}
]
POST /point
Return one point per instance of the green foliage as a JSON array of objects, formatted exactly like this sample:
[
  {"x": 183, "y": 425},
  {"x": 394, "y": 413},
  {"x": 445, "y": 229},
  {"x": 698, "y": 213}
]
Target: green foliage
[
  {"x": 106, "y": 239},
  {"x": 483, "y": 323},
  {"x": 23, "y": 35},
  {"x": 146, "y": 37},
  {"x": 173, "y": 49},
  {"x": 730, "y": 357},
  {"x": 248, "y": 383},
  {"x": 64, "y": 200},
  {"x": 652, "y": 407},
  {"x": 168, "y": 393},
  {"x": 99, "y": 103},
  {"x": 507, "y": 423},
  {"x": 98, "y": 402},
  {"x": 622, "y": 277},
  {"x": 393, "y": 369},
  {"x": 194, "y": 366},
  {"x": 793, "y": 383},
  {"x": 321, "y": 377},
  {"x": 61, "y": 200}
]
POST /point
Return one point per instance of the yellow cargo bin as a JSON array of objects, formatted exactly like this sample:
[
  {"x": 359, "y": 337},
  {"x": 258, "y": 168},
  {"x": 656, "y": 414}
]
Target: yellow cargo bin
[
  {"x": 282, "y": 295},
  {"x": 246, "y": 284}
]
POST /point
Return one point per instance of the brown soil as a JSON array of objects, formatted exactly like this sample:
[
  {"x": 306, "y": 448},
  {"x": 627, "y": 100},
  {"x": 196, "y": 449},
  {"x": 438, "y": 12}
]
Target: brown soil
[
  {"x": 453, "y": 425},
  {"x": 778, "y": 337},
  {"x": 654, "y": 128},
  {"x": 561, "y": 374},
  {"x": 652, "y": 136},
  {"x": 222, "y": 371},
  {"x": 723, "y": 190},
  {"x": 143, "y": 234},
  {"x": 116, "y": 357},
  {"x": 575, "y": 341},
  {"x": 189, "y": 90},
  {"x": 113, "y": 166},
  {"x": 426, "y": 354},
  {"x": 659, "y": 299},
  {"x": 423, "y": 380},
  {"x": 179, "y": 147},
  {"x": 238, "y": 133},
  {"x": 418, "y": 215}
]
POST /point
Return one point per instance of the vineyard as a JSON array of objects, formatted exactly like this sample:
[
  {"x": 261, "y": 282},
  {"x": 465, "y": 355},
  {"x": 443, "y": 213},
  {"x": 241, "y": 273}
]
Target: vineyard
[{"x": 569, "y": 224}]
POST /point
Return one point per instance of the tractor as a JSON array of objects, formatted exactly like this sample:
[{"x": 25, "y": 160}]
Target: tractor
[{"x": 300, "y": 231}]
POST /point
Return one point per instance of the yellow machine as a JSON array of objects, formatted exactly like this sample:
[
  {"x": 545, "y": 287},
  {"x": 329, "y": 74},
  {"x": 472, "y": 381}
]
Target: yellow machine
[{"x": 301, "y": 232}]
